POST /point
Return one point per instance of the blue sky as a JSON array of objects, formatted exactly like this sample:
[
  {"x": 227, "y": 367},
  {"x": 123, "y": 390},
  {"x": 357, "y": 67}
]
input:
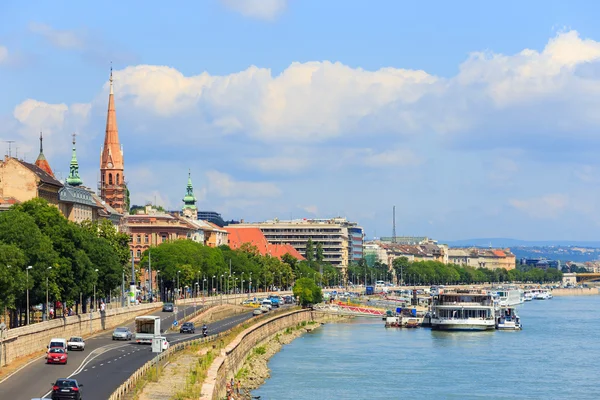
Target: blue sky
[{"x": 475, "y": 120}]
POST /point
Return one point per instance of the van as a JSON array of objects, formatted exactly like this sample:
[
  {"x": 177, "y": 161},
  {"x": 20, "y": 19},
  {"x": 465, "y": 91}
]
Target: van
[
  {"x": 58, "y": 342},
  {"x": 267, "y": 303}
]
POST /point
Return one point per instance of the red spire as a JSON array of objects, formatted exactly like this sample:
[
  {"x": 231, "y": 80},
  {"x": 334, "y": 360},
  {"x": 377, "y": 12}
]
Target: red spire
[{"x": 41, "y": 161}]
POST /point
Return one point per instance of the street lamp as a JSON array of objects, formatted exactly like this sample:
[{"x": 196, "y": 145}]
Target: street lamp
[
  {"x": 27, "y": 272},
  {"x": 250, "y": 287},
  {"x": 48, "y": 269},
  {"x": 203, "y": 284},
  {"x": 96, "y": 270},
  {"x": 212, "y": 285},
  {"x": 178, "y": 272},
  {"x": 158, "y": 286}
]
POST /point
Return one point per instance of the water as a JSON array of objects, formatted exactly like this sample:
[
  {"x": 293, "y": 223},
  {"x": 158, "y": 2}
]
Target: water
[{"x": 555, "y": 356}]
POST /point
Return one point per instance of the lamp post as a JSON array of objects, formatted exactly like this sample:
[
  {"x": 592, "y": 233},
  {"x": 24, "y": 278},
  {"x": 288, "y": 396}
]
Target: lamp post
[
  {"x": 27, "y": 272},
  {"x": 96, "y": 270},
  {"x": 158, "y": 286},
  {"x": 250, "y": 287},
  {"x": 212, "y": 285},
  {"x": 178, "y": 272},
  {"x": 48, "y": 269},
  {"x": 203, "y": 284}
]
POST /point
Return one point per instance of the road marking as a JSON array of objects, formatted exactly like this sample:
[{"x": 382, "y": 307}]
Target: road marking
[{"x": 102, "y": 364}]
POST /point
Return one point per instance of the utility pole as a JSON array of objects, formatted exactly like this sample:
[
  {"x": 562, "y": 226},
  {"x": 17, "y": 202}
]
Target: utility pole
[
  {"x": 132, "y": 281},
  {"x": 150, "y": 272}
]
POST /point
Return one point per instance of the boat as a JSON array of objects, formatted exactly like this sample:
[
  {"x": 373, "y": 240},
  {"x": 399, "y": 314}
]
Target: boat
[
  {"x": 508, "y": 320},
  {"x": 508, "y": 297},
  {"x": 541, "y": 294},
  {"x": 528, "y": 295},
  {"x": 463, "y": 310}
]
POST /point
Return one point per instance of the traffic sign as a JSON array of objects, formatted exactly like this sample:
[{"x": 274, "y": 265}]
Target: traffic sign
[{"x": 175, "y": 323}]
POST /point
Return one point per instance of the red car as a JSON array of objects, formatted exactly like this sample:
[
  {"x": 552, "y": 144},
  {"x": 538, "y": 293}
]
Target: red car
[{"x": 56, "y": 355}]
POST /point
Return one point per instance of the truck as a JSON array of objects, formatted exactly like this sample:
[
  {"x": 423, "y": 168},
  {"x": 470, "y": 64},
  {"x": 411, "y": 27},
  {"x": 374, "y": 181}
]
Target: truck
[
  {"x": 369, "y": 290},
  {"x": 274, "y": 301},
  {"x": 146, "y": 328}
]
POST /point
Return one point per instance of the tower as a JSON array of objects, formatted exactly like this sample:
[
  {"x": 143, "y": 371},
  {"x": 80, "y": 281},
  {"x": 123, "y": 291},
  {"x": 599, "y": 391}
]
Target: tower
[
  {"x": 41, "y": 161},
  {"x": 74, "y": 179},
  {"x": 112, "y": 179},
  {"x": 189, "y": 200}
]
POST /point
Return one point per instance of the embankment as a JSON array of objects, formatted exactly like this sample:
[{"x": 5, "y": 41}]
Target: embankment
[
  {"x": 576, "y": 292},
  {"x": 233, "y": 357}
]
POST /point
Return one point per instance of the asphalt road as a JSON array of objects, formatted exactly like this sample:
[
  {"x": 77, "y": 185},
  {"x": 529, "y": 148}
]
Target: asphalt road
[{"x": 102, "y": 366}]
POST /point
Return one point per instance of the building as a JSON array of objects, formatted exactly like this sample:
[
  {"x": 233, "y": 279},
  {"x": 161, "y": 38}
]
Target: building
[
  {"x": 239, "y": 235},
  {"x": 41, "y": 161},
  {"x": 355, "y": 241},
  {"x": 21, "y": 181},
  {"x": 153, "y": 228},
  {"x": 75, "y": 202},
  {"x": 333, "y": 234},
  {"x": 482, "y": 258},
  {"x": 211, "y": 216},
  {"x": 112, "y": 179}
]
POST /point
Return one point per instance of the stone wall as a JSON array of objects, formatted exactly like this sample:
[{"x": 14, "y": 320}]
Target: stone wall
[
  {"x": 26, "y": 340},
  {"x": 575, "y": 292},
  {"x": 233, "y": 356}
]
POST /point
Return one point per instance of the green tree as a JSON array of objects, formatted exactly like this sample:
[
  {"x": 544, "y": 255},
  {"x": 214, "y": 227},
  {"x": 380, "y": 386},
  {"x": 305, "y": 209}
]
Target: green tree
[
  {"x": 307, "y": 292},
  {"x": 320, "y": 256},
  {"x": 12, "y": 275},
  {"x": 310, "y": 251}
]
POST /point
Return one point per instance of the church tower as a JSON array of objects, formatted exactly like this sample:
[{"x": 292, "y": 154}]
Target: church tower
[
  {"x": 41, "y": 161},
  {"x": 112, "y": 179},
  {"x": 189, "y": 209}
]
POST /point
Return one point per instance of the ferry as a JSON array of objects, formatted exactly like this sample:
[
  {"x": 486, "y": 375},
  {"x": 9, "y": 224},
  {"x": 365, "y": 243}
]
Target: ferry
[
  {"x": 463, "y": 310},
  {"x": 541, "y": 294},
  {"x": 509, "y": 297},
  {"x": 508, "y": 320},
  {"x": 528, "y": 295}
]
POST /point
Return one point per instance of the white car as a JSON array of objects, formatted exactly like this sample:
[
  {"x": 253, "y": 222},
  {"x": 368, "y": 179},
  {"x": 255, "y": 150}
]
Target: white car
[
  {"x": 76, "y": 343},
  {"x": 164, "y": 343}
]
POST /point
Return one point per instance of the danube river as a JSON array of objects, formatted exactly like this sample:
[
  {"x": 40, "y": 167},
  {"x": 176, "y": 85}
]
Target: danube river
[{"x": 555, "y": 356}]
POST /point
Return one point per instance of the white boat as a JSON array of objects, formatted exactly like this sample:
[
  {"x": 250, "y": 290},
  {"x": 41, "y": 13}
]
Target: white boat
[
  {"x": 463, "y": 310},
  {"x": 541, "y": 294},
  {"x": 508, "y": 320},
  {"x": 508, "y": 297},
  {"x": 528, "y": 296}
]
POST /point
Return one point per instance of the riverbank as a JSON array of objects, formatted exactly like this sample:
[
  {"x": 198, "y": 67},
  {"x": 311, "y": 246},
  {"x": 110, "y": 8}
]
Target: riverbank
[
  {"x": 592, "y": 291},
  {"x": 255, "y": 370}
]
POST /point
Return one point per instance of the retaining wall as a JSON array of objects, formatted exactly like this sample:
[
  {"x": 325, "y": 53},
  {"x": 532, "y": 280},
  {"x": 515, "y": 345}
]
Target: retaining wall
[
  {"x": 575, "y": 292},
  {"x": 233, "y": 356},
  {"x": 29, "y": 339}
]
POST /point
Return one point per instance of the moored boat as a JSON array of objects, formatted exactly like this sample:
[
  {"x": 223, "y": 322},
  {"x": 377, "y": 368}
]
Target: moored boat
[
  {"x": 508, "y": 320},
  {"x": 463, "y": 310}
]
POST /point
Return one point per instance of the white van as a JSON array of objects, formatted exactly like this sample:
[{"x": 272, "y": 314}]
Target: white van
[
  {"x": 267, "y": 303},
  {"x": 58, "y": 342}
]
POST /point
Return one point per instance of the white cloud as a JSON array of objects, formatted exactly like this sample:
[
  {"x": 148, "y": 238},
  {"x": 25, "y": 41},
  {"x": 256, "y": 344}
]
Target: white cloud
[
  {"x": 280, "y": 164},
  {"x": 3, "y": 54},
  {"x": 223, "y": 185},
  {"x": 261, "y": 9},
  {"x": 311, "y": 209},
  {"x": 548, "y": 206},
  {"x": 59, "y": 38},
  {"x": 391, "y": 158}
]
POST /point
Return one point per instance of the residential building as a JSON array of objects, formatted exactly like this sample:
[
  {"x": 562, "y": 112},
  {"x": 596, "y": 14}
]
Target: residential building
[
  {"x": 211, "y": 216},
  {"x": 238, "y": 235},
  {"x": 112, "y": 179},
  {"x": 374, "y": 253},
  {"x": 333, "y": 234},
  {"x": 355, "y": 241},
  {"x": 482, "y": 258},
  {"x": 21, "y": 181}
]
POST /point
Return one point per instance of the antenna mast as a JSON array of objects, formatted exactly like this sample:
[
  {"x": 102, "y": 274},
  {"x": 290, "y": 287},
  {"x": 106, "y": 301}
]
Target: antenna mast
[
  {"x": 394, "y": 224},
  {"x": 10, "y": 142}
]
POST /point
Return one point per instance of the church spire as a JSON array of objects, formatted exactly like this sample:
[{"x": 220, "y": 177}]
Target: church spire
[
  {"x": 112, "y": 178},
  {"x": 74, "y": 179},
  {"x": 189, "y": 199},
  {"x": 41, "y": 161}
]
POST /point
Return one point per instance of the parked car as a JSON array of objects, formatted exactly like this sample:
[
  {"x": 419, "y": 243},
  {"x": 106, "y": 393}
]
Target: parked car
[
  {"x": 187, "y": 327},
  {"x": 56, "y": 355},
  {"x": 76, "y": 343},
  {"x": 122, "y": 333},
  {"x": 66, "y": 389},
  {"x": 168, "y": 307}
]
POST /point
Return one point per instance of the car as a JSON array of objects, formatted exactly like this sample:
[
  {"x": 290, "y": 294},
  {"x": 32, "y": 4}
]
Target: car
[
  {"x": 66, "y": 389},
  {"x": 76, "y": 343},
  {"x": 57, "y": 355},
  {"x": 122, "y": 333},
  {"x": 264, "y": 308},
  {"x": 168, "y": 307},
  {"x": 257, "y": 311},
  {"x": 187, "y": 327},
  {"x": 164, "y": 343}
]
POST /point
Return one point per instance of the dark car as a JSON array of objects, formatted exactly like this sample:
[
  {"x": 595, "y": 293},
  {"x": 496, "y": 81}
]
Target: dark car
[
  {"x": 187, "y": 327},
  {"x": 66, "y": 389},
  {"x": 288, "y": 300},
  {"x": 168, "y": 307}
]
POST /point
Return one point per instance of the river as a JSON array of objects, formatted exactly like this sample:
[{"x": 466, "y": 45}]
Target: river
[{"x": 555, "y": 356}]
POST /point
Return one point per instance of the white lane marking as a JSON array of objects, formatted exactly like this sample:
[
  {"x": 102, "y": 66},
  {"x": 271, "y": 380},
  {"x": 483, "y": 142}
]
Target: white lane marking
[
  {"x": 101, "y": 364},
  {"x": 85, "y": 370}
]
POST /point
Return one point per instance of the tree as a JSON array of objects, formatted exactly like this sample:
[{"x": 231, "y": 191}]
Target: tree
[
  {"x": 400, "y": 266},
  {"x": 307, "y": 291},
  {"x": 320, "y": 256},
  {"x": 12, "y": 275},
  {"x": 310, "y": 252}
]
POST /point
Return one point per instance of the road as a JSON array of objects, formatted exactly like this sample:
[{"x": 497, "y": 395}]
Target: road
[{"x": 102, "y": 366}]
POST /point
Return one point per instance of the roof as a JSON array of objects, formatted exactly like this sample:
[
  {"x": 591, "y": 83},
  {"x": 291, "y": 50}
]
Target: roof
[
  {"x": 499, "y": 253},
  {"x": 43, "y": 164},
  {"x": 72, "y": 194},
  {"x": 43, "y": 175},
  {"x": 239, "y": 235}
]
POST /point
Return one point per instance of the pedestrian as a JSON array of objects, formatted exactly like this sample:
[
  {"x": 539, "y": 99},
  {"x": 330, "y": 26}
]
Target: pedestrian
[{"x": 239, "y": 387}]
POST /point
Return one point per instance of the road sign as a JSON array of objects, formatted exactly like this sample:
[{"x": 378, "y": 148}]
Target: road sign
[
  {"x": 157, "y": 344},
  {"x": 175, "y": 323}
]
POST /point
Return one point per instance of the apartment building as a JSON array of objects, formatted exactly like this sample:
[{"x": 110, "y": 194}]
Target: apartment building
[{"x": 339, "y": 237}]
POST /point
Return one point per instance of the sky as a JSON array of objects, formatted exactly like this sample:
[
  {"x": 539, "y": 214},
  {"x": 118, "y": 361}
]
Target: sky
[{"x": 473, "y": 119}]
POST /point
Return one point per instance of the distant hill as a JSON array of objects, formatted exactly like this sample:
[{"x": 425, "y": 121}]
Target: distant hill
[{"x": 506, "y": 242}]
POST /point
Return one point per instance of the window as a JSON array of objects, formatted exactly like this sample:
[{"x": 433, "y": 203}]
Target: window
[
  {"x": 110, "y": 181},
  {"x": 118, "y": 179},
  {"x": 146, "y": 239},
  {"x": 139, "y": 239},
  {"x": 139, "y": 253},
  {"x": 164, "y": 237},
  {"x": 131, "y": 238}
]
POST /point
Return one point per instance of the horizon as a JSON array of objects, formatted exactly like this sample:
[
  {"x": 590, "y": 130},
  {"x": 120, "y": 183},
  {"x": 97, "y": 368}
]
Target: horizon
[{"x": 474, "y": 121}]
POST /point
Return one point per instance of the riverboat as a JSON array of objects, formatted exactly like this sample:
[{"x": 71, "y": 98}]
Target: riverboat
[
  {"x": 463, "y": 310},
  {"x": 508, "y": 320},
  {"x": 509, "y": 297},
  {"x": 527, "y": 295}
]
